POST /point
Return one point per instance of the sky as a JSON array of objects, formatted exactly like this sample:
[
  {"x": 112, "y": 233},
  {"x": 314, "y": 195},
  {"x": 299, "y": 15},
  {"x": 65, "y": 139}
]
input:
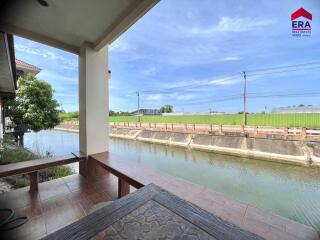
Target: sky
[{"x": 191, "y": 54}]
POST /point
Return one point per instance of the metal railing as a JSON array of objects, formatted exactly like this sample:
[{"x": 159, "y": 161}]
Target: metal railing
[{"x": 252, "y": 131}]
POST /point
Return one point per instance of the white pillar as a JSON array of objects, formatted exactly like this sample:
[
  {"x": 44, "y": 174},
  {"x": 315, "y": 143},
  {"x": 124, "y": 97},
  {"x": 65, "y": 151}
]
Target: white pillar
[{"x": 93, "y": 100}]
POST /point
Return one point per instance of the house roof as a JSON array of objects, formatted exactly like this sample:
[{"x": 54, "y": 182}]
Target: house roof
[
  {"x": 26, "y": 67},
  {"x": 301, "y": 12}
]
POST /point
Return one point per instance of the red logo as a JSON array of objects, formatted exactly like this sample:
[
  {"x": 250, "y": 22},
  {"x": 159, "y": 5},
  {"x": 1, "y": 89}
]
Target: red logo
[
  {"x": 301, "y": 13},
  {"x": 301, "y": 23}
]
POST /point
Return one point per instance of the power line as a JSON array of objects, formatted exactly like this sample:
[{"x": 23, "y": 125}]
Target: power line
[
  {"x": 203, "y": 83},
  {"x": 245, "y": 95},
  {"x": 281, "y": 67},
  {"x": 284, "y": 92},
  {"x": 284, "y": 71},
  {"x": 227, "y": 78},
  {"x": 240, "y": 96}
]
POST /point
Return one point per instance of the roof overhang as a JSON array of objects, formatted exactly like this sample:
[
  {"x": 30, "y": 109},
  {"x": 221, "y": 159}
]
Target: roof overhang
[
  {"x": 7, "y": 66},
  {"x": 26, "y": 67},
  {"x": 68, "y": 24}
]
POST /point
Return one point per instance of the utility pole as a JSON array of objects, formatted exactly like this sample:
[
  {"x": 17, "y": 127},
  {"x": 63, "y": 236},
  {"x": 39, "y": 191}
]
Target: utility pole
[
  {"x": 138, "y": 95},
  {"x": 244, "y": 99}
]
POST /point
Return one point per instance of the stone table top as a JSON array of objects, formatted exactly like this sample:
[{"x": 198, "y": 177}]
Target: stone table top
[{"x": 151, "y": 213}]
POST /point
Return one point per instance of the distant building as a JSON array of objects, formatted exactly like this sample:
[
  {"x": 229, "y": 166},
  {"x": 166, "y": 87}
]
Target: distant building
[
  {"x": 23, "y": 68},
  {"x": 292, "y": 110},
  {"x": 191, "y": 113},
  {"x": 144, "y": 112}
]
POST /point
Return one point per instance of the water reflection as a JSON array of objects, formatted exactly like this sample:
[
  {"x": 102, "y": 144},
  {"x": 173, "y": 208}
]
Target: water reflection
[{"x": 290, "y": 191}]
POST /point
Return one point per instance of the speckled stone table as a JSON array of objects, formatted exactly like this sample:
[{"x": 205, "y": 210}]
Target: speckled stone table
[{"x": 151, "y": 213}]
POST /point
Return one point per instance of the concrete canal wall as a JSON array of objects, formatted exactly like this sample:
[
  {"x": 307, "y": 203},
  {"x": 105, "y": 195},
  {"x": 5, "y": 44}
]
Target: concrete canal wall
[{"x": 289, "y": 151}]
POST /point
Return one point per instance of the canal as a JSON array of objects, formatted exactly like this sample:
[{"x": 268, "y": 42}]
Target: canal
[{"x": 290, "y": 191}]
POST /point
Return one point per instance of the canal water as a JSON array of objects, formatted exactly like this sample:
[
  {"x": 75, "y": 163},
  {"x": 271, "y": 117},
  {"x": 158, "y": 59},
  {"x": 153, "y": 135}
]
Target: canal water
[{"x": 290, "y": 191}]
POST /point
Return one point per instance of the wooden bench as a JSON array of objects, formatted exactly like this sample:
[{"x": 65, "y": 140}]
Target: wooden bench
[
  {"x": 32, "y": 167},
  {"x": 116, "y": 166}
]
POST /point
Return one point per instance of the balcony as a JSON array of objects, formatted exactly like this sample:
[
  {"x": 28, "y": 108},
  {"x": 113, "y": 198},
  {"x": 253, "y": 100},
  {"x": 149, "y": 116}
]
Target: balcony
[
  {"x": 104, "y": 177},
  {"x": 60, "y": 202}
]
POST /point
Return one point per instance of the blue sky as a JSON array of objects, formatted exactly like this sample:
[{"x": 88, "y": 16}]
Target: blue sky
[{"x": 190, "y": 54}]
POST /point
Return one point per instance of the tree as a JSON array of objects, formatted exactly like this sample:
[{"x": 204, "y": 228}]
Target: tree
[
  {"x": 166, "y": 109},
  {"x": 34, "y": 107}
]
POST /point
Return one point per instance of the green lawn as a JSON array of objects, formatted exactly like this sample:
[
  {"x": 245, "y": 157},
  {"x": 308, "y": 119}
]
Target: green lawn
[{"x": 276, "y": 120}]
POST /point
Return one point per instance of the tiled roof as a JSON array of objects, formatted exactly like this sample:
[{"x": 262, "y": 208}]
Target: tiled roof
[{"x": 26, "y": 66}]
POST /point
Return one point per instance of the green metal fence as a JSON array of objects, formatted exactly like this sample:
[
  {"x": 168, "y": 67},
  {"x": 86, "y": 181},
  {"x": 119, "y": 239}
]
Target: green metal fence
[{"x": 274, "y": 120}]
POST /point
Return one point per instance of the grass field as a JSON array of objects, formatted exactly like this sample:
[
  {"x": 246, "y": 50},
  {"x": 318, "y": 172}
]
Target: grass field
[{"x": 275, "y": 120}]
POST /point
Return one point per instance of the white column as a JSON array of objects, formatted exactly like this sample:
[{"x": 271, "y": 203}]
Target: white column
[{"x": 93, "y": 100}]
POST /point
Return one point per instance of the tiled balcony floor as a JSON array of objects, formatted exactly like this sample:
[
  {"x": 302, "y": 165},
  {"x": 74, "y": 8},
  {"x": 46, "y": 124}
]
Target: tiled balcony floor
[
  {"x": 63, "y": 201},
  {"x": 58, "y": 203}
]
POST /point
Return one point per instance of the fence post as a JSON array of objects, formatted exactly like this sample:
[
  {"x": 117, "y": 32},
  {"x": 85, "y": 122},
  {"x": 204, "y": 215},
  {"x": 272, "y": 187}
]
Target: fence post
[
  {"x": 242, "y": 129},
  {"x": 166, "y": 126},
  {"x": 220, "y": 130},
  {"x": 155, "y": 125},
  {"x": 255, "y": 131},
  {"x": 285, "y": 133},
  {"x": 303, "y": 133},
  {"x": 149, "y": 125},
  {"x": 136, "y": 124},
  {"x": 140, "y": 124},
  {"x": 211, "y": 128},
  {"x": 194, "y": 127},
  {"x": 172, "y": 126}
]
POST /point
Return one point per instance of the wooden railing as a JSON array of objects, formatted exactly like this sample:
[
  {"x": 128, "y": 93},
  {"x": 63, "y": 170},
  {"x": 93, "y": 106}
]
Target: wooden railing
[{"x": 34, "y": 166}]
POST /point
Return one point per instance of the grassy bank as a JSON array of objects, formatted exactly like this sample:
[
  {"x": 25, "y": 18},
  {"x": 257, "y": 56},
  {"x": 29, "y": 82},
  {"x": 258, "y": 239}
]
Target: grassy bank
[
  {"x": 69, "y": 116},
  {"x": 275, "y": 120}
]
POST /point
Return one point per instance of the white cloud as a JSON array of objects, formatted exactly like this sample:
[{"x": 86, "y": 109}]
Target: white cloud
[
  {"x": 225, "y": 81},
  {"x": 220, "y": 81},
  {"x": 71, "y": 95},
  {"x": 185, "y": 97},
  {"x": 227, "y": 59},
  {"x": 150, "y": 71},
  {"x": 57, "y": 78},
  {"x": 229, "y": 24},
  {"x": 120, "y": 45},
  {"x": 153, "y": 97},
  {"x": 242, "y": 24},
  {"x": 65, "y": 63}
]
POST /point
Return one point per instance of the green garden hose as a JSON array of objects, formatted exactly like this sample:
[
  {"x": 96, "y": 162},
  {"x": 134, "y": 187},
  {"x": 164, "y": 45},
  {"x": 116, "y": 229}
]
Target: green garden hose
[{"x": 10, "y": 222}]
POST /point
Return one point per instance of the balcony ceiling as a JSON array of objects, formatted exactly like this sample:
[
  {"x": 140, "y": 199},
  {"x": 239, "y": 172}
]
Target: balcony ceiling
[{"x": 68, "y": 24}]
